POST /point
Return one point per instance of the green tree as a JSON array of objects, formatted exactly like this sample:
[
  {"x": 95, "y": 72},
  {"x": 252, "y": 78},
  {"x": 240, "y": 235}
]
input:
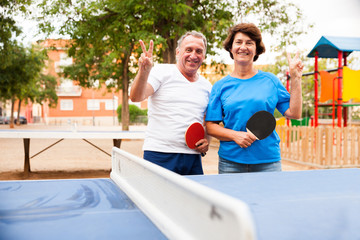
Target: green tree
[
  {"x": 21, "y": 79},
  {"x": 134, "y": 112},
  {"x": 20, "y": 68},
  {"x": 105, "y": 33},
  {"x": 282, "y": 20},
  {"x": 8, "y": 27}
]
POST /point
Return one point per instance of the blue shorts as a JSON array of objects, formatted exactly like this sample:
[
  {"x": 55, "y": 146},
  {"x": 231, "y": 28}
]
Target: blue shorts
[{"x": 181, "y": 163}]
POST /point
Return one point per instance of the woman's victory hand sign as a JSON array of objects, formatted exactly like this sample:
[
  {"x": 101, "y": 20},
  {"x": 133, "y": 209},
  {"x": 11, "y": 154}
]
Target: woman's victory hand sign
[
  {"x": 146, "y": 58},
  {"x": 295, "y": 66}
]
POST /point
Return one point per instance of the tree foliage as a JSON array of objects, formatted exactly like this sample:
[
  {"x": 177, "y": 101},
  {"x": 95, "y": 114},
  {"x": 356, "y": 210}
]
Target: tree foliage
[
  {"x": 134, "y": 112},
  {"x": 22, "y": 79},
  {"x": 282, "y": 20},
  {"x": 8, "y": 28},
  {"x": 21, "y": 75}
]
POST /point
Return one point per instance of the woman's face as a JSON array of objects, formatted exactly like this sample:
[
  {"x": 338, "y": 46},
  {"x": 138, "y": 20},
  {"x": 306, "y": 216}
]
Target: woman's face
[{"x": 243, "y": 48}]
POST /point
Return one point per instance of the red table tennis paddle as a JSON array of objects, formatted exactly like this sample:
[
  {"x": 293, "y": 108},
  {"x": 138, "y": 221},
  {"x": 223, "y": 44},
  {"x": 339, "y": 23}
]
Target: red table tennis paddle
[
  {"x": 193, "y": 134},
  {"x": 261, "y": 124}
]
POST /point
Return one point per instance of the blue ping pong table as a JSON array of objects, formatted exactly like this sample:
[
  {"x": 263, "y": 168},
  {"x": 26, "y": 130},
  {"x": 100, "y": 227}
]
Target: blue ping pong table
[{"x": 317, "y": 204}]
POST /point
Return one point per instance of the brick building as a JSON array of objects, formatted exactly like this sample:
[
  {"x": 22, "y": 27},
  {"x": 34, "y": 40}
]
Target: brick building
[{"x": 75, "y": 104}]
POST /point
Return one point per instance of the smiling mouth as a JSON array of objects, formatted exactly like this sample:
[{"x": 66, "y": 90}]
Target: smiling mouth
[{"x": 192, "y": 62}]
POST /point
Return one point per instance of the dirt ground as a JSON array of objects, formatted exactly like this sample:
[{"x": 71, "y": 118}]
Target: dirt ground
[{"x": 75, "y": 158}]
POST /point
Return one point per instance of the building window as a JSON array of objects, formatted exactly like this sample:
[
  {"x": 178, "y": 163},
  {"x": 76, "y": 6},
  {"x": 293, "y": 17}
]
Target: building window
[
  {"x": 66, "y": 105},
  {"x": 64, "y": 61},
  {"x": 93, "y": 104},
  {"x": 111, "y": 104}
]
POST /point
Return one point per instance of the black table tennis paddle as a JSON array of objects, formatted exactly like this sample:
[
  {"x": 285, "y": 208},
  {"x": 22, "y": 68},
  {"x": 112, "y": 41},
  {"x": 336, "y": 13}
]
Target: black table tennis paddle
[{"x": 261, "y": 124}]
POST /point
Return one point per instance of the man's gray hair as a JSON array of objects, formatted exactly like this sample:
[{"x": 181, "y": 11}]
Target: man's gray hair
[{"x": 192, "y": 33}]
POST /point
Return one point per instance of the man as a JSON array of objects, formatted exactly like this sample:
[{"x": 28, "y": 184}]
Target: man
[{"x": 178, "y": 96}]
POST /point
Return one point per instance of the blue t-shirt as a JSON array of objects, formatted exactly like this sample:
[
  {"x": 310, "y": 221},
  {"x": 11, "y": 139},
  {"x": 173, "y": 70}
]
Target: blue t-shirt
[{"x": 233, "y": 101}]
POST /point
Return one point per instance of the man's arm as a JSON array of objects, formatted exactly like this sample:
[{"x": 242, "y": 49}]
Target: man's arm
[{"x": 141, "y": 89}]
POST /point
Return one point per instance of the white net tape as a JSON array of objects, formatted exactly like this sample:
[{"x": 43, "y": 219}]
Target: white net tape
[{"x": 178, "y": 206}]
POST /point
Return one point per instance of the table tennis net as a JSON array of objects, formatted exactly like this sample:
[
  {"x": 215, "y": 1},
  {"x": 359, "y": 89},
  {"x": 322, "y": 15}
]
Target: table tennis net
[{"x": 179, "y": 207}]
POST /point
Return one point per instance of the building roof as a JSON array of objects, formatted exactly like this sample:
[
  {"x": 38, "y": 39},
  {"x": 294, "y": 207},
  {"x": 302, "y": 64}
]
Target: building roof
[{"x": 328, "y": 46}]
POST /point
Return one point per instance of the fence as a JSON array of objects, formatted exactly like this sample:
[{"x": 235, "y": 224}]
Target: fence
[{"x": 321, "y": 147}]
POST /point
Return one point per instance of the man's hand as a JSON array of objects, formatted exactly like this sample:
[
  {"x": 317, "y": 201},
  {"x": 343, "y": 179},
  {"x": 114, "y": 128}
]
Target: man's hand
[
  {"x": 202, "y": 146},
  {"x": 146, "y": 58}
]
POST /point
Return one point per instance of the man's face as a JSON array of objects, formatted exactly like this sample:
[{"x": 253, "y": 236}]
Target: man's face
[{"x": 190, "y": 54}]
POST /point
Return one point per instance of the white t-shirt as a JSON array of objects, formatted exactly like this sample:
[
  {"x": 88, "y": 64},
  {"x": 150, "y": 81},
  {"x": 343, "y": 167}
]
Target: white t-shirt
[{"x": 175, "y": 104}]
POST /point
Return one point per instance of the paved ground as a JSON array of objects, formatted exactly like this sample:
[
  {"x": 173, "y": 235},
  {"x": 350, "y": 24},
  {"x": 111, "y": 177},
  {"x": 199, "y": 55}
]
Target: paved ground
[{"x": 78, "y": 159}]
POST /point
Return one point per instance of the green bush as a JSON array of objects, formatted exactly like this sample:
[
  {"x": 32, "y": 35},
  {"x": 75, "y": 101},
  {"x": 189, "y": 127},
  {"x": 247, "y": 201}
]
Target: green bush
[{"x": 137, "y": 115}]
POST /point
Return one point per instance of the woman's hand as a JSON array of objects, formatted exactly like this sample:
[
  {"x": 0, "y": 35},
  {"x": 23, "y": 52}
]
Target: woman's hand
[
  {"x": 244, "y": 139},
  {"x": 295, "y": 66},
  {"x": 296, "y": 69}
]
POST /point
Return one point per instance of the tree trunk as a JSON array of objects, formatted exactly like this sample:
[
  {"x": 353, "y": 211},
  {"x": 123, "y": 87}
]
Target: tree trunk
[
  {"x": 11, "y": 123},
  {"x": 125, "y": 118},
  {"x": 18, "y": 115},
  {"x": 169, "y": 54}
]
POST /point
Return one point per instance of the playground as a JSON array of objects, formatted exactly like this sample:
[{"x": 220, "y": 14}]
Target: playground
[{"x": 327, "y": 143}]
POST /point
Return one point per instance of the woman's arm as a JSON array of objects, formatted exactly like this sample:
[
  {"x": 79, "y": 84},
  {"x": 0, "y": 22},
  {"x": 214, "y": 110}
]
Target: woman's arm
[{"x": 243, "y": 139}]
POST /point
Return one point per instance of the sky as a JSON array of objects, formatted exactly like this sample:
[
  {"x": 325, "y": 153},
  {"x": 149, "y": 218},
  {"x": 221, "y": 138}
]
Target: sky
[{"x": 330, "y": 18}]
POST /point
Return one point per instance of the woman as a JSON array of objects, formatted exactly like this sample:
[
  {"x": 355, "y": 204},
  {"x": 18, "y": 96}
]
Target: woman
[{"x": 236, "y": 97}]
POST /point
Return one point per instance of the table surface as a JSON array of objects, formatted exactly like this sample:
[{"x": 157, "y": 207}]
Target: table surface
[
  {"x": 72, "y": 134},
  {"x": 317, "y": 204}
]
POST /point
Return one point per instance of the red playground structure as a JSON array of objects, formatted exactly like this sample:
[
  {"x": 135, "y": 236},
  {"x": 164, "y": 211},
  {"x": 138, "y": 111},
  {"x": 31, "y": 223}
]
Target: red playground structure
[{"x": 341, "y": 48}]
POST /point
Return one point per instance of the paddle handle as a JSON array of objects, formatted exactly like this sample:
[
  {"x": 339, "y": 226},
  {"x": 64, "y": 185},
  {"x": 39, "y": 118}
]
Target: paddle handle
[
  {"x": 252, "y": 133},
  {"x": 202, "y": 154}
]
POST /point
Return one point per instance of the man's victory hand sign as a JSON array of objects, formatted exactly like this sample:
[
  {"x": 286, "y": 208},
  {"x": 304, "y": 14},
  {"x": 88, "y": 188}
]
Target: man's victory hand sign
[{"x": 146, "y": 58}]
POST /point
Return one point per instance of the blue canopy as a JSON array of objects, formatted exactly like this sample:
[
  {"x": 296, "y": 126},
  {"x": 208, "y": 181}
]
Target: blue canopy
[{"x": 328, "y": 47}]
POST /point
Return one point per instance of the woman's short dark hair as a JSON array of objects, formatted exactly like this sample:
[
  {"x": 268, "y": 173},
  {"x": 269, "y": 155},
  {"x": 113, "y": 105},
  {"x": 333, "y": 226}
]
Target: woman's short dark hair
[{"x": 249, "y": 29}]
